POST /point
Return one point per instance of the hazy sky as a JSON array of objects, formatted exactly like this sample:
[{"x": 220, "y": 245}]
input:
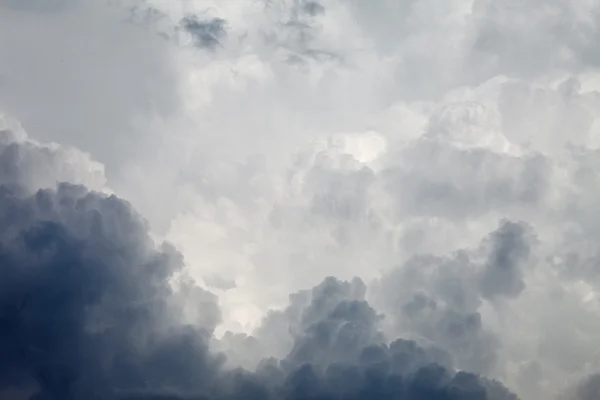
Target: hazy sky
[{"x": 444, "y": 152}]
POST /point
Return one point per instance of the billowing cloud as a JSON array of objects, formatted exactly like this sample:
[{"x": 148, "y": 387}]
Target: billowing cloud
[
  {"x": 30, "y": 165},
  {"x": 85, "y": 297},
  {"x": 429, "y": 170},
  {"x": 89, "y": 309}
]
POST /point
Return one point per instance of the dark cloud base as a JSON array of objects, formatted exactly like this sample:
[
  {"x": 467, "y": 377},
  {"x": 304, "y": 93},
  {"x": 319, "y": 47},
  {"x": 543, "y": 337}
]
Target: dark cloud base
[{"x": 87, "y": 311}]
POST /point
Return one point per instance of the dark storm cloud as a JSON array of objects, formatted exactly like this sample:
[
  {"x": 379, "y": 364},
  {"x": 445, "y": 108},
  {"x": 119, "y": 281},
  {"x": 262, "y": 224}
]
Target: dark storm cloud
[
  {"x": 337, "y": 360},
  {"x": 87, "y": 311},
  {"x": 341, "y": 355},
  {"x": 86, "y": 307},
  {"x": 338, "y": 353},
  {"x": 85, "y": 304}
]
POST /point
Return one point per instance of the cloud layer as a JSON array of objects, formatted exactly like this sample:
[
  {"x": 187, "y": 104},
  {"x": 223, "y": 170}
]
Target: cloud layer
[{"x": 429, "y": 170}]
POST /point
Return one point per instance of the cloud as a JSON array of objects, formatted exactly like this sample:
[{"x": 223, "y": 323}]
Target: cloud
[
  {"x": 89, "y": 309},
  {"x": 561, "y": 38},
  {"x": 589, "y": 388},
  {"x": 206, "y": 34},
  {"x": 85, "y": 299},
  {"x": 313, "y": 8},
  {"x": 440, "y": 299},
  {"x": 510, "y": 250},
  {"x": 30, "y": 165},
  {"x": 445, "y": 154}
]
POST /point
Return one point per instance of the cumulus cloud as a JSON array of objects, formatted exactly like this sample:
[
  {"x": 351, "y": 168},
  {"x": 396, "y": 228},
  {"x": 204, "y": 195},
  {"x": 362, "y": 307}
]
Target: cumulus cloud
[
  {"x": 30, "y": 165},
  {"x": 444, "y": 154},
  {"x": 89, "y": 310},
  {"x": 85, "y": 298},
  {"x": 439, "y": 299}
]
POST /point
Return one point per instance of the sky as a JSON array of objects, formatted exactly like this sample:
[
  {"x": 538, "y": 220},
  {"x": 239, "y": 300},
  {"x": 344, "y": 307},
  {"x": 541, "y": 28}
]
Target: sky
[{"x": 297, "y": 199}]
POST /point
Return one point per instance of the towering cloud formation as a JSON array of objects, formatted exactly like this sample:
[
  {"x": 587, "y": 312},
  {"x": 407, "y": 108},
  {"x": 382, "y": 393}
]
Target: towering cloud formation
[
  {"x": 428, "y": 168},
  {"x": 88, "y": 310}
]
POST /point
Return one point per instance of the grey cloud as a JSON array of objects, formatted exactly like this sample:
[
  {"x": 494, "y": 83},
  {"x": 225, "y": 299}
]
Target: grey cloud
[
  {"x": 509, "y": 248},
  {"x": 305, "y": 309},
  {"x": 357, "y": 369},
  {"x": 313, "y": 8},
  {"x": 332, "y": 358},
  {"x": 460, "y": 183},
  {"x": 589, "y": 389},
  {"x": 29, "y": 165},
  {"x": 340, "y": 195},
  {"x": 85, "y": 298},
  {"x": 542, "y": 117},
  {"x": 467, "y": 43},
  {"x": 330, "y": 309},
  {"x": 206, "y": 33},
  {"x": 296, "y": 32},
  {"x": 524, "y": 39},
  {"x": 85, "y": 301},
  {"x": 350, "y": 326},
  {"x": 438, "y": 298}
]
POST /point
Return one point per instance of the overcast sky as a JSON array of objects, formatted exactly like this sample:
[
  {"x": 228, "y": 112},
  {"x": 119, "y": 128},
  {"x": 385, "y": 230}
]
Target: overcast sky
[{"x": 445, "y": 153}]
